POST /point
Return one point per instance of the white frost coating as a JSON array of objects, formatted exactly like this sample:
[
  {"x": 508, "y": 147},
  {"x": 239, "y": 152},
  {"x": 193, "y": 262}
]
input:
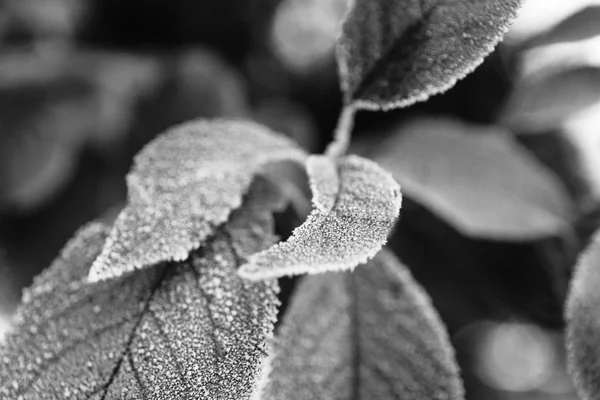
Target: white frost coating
[
  {"x": 395, "y": 53},
  {"x": 184, "y": 184},
  {"x": 191, "y": 330},
  {"x": 324, "y": 182},
  {"x": 369, "y": 334},
  {"x": 476, "y": 178},
  {"x": 354, "y": 230},
  {"x": 583, "y": 322}
]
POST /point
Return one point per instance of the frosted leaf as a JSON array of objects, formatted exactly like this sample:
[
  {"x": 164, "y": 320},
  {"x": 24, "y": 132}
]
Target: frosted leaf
[
  {"x": 182, "y": 185},
  {"x": 394, "y": 53},
  {"x": 477, "y": 179},
  {"x": 348, "y": 225},
  {"x": 583, "y": 322},
  {"x": 191, "y": 330},
  {"x": 369, "y": 334}
]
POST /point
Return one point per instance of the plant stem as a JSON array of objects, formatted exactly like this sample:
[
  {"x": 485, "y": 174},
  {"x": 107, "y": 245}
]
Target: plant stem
[{"x": 343, "y": 133}]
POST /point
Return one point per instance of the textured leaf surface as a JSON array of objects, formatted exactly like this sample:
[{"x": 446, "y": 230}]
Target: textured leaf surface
[
  {"x": 184, "y": 184},
  {"x": 583, "y": 323},
  {"x": 191, "y": 330},
  {"x": 477, "y": 179},
  {"x": 354, "y": 211},
  {"x": 369, "y": 334},
  {"x": 395, "y": 53}
]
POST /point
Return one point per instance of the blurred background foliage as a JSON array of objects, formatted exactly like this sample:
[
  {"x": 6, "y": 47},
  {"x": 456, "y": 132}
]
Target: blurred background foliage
[{"x": 84, "y": 84}]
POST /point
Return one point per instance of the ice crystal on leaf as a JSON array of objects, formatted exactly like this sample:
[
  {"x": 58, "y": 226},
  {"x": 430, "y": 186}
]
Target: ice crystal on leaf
[
  {"x": 395, "y": 53},
  {"x": 183, "y": 185},
  {"x": 190, "y": 329},
  {"x": 355, "y": 209},
  {"x": 369, "y": 334}
]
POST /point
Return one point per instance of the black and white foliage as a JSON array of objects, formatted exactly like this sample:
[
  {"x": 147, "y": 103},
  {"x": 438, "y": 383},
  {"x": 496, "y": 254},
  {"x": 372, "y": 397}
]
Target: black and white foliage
[
  {"x": 368, "y": 334},
  {"x": 477, "y": 178},
  {"x": 183, "y": 185},
  {"x": 189, "y": 329},
  {"x": 394, "y": 53},
  {"x": 355, "y": 207},
  {"x": 177, "y": 300},
  {"x": 583, "y": 323}
]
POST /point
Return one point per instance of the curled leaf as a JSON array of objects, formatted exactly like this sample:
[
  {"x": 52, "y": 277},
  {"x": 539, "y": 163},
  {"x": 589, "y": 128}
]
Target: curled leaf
[
  {"x": 191, "y": 330},
  {"x": 369, "y": 334},
  {"x": 583, "y": 323},
  {"x": 183, "y": 185},
  {"x": 394, "y": 53},
  {"x": 477, "y": 179},
  {"x": 354, "y": 211}
]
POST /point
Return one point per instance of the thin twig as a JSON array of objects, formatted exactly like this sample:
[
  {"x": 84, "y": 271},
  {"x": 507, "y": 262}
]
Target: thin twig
[{"x": 343, "y": 133}]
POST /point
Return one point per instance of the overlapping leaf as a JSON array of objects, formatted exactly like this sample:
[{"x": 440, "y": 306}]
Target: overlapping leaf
[
  {"x": 395, "y": 53},
  {"x": 184, "y": 184},
  {"x": 191, "y": 330},
  {"x": 355, "y": 208},
  {"x": 369, "y": 334},
  {"x": 477, "y": 179},
  {"x": 583, "y": 323}
]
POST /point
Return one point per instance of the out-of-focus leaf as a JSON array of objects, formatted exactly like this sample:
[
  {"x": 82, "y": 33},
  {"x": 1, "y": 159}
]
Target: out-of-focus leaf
[
  {"x": 291, "y": 119},
  {"x": 369, "y": 334},
  {"x": 540, "y": 103},
  {"x": 477, "y": 179},
  {"x": 181, "y": 330},
  {"x": 304, "y": 32},
  {"x": 582, "y": 25},
  {"x": 50, "y": 107},
  {"x": 43, "y": 18},
  {"x": 184, "y": 184},
  {"x": 395, "y": 53},
  {"x": 355, "y": 207},
  {"x": 583, "y": 322},
  {"x": 205, "y": 86}
]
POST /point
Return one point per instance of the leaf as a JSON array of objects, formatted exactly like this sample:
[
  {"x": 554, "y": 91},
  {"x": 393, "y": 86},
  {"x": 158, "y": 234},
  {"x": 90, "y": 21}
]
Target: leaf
[
  {"x": 394, "y": 53},
  {"x": 477, "y": 179},
  {"x": 583, "y": 24},
  {"x": 183, "y": 185},
  {"x": 370, "y": 334},
  {"x": 535, "y": 106},
  {"x": 355, "y": 209},
  {"x": 583, "y": 322},
  {"x": 191, "y": 330}
]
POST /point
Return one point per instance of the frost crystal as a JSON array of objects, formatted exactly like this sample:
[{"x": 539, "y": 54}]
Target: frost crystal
[
  {"x": 183, "y": 185},
  {"x": 191, "y": 330},
  {"x": 352, "y": 217},
  {"x": 369, "y": 334},
  {"x": 395, "y": 53}
]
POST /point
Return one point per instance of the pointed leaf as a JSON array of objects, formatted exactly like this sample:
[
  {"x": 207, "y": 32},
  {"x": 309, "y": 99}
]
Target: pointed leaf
[
  {"x": 583, "y": 323},
  {"x": 395, "y": 53},
  {"x": 354, "y": 211},
  {"x": 369, "y": 334},
  {"x": 477, "y": 179},
  {"x": 183, "y": 185},
  {"x": 191, "y": 330}
]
